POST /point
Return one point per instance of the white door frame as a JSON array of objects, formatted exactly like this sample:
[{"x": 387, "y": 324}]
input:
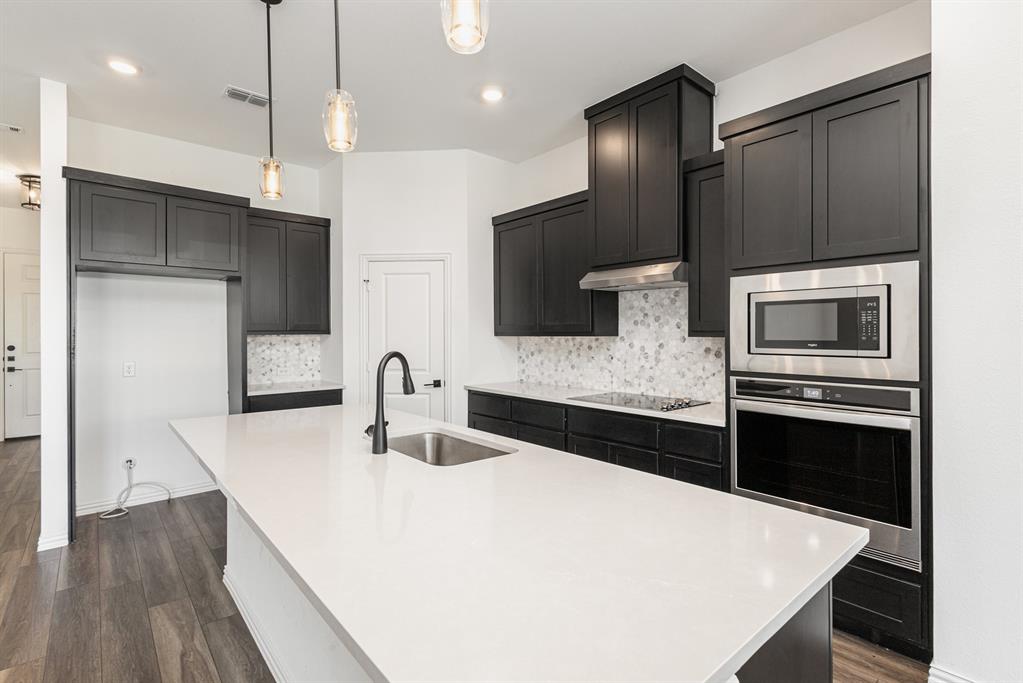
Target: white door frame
[
  {"x": 365, "y": 370},
  {"x": 3, "y": 310}
]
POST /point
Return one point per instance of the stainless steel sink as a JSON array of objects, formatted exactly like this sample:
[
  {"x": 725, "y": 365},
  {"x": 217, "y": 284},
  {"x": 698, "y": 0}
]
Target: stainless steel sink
[{"x": 440, "y": 447}]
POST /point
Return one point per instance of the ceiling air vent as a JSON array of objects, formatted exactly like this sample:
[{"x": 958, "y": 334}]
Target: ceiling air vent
[
  {"x": 243, "y": 95},
  {"x": 10, "y": 127}
]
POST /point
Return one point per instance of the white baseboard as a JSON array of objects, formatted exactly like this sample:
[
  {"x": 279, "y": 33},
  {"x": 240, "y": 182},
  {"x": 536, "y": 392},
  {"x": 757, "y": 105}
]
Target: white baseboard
[
  {"x": 51, "y": 542},
  {"x": 144, "y": 495},
  {"x": 250, "y": 620},
  {"x": 939, "y": 675}
]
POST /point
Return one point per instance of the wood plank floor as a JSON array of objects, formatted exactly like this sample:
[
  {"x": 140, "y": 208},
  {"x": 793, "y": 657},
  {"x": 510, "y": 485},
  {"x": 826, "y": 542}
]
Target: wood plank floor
[{"x": 142, "y": 598}]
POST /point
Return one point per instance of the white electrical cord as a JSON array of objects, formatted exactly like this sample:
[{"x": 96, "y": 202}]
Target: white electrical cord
[{"x": 119, "y": 510}]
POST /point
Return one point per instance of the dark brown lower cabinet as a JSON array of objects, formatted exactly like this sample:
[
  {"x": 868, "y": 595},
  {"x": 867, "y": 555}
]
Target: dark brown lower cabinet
[
  {"x": 298, "y": 399},
  {"x": 689, "y": 453}
]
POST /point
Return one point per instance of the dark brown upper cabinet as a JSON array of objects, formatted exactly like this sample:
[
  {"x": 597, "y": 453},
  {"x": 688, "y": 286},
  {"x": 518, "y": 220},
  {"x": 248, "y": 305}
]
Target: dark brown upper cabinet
[
  {"x": 203, "y": 234},
  {"x": 540, "y": 254},
  {"x": 866, "y": 174},
  {"x": 288, "y": 275},
  {"x": 769, "y": 189},
  {"x": 122, "y": 225},
  {"x": 705, "y": 232},
  {"x": 637, "y": 141},
  {"x": 836, "y": 174},
  {"x": 265, "y": 279}
]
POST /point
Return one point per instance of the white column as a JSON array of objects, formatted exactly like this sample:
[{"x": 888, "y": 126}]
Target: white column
[
  {"x": 977, "y": 227},
  {"x": 53, "y": 528},
  {"x": 330, "y": 207}
]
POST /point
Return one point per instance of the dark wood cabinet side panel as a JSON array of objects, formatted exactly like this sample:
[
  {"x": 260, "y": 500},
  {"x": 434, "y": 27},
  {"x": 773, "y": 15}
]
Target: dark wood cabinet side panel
[
  {"x": 516, "y": 278},
  {"x": 203, "y": 234},
  {"x": 121, "y": 225},
  {"x": 865, "y": 175},
  {"x": 609, "y": 186},
  {"x": 653, "y": 170},
  {"x": 265, "y": 278},
  {"x": 308, "y": 278},
  {"x": 697, "y": 120}
]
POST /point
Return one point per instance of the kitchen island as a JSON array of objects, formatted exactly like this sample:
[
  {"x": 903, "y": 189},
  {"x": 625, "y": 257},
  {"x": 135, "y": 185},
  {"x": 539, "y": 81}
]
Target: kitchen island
[{"x": 536, "y": 565}]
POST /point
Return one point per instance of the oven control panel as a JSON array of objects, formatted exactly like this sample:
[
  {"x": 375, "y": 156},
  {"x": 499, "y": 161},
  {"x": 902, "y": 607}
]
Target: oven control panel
[
  {"x": 837, "y": 394},
  {"x": 869, "y": 322}
]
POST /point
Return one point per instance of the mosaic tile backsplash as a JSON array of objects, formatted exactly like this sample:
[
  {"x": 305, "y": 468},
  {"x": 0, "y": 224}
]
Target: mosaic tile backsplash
[
  {"x": 283, "y": 358},
  {"x": 651, "y": 355}
]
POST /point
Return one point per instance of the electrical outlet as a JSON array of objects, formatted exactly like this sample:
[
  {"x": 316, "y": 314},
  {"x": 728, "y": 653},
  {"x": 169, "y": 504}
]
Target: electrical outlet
[{"x": 128, "y": 369}]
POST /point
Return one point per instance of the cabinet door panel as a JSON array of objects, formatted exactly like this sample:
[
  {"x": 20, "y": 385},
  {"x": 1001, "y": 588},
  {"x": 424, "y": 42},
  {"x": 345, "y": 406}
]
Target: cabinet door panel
[
  {"x": 540, "y": 437},
  {"x": 564, "y": 260},
  {"x": 202, "y": 234},
  {"x": 308, "y": 278},
  {"x": 609, "y": 186},
  {"x": 489, "y": 424},
  {"x": 769, "y": 187},
  {"x": 691, "y": 471},
  {"x": 865, "y": 174},
  {"x": 705, "y": 225},
  {"x": 126, "y": 226},
  {"x": 634, "y": 458},
  {"x": 880, "y": 601},
  {"x": 516, "y": 307},
  {"x": 265, "y": 279},
  {"x": 589, "y": 448},
  {"x": 654, "y": 162}
]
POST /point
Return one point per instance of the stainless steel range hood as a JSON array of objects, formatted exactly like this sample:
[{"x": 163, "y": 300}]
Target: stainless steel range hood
[{"x": 654, "y": 276}]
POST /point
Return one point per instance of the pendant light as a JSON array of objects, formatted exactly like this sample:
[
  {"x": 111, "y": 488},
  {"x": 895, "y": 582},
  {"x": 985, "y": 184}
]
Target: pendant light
[
  {"x": 340, "y": 120},
  {"x": 465, "y": 24},
  {"x": 271, "y": 184},
  {"x": 31, "y": 183}
]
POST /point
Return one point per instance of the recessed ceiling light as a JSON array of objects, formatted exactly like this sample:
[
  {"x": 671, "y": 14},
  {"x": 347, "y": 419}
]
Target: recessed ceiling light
[
  {"x": 492, "y": 94},
  {"x": 123, "y": 67}
]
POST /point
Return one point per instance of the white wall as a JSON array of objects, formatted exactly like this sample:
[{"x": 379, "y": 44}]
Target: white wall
[
  {"x": 888, "y": 39},
  {"x": 99, "y": 147},
  {"x": 19, "y": 229},
  {"x": 180, "y": 372},
  {"x": 563, "y": 170},
  {"x": 53, "y": 314},
  {"x": 977, "y": 203}
]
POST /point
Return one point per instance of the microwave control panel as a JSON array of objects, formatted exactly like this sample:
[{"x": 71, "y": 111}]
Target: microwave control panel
[{"x": 869, "y": 322}]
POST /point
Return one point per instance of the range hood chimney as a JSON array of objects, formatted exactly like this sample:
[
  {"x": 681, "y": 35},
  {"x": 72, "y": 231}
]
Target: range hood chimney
[{"x": 654, "y": 276}]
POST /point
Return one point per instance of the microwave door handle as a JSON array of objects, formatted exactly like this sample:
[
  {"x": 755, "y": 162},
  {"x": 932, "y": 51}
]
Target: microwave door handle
[{"x": 911, "y": 424}]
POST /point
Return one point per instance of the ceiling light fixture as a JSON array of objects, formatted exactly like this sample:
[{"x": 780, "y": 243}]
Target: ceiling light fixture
[
  {"x": 272, "y": 172},
  {"x": 32, "y": 184},
  {"x": 492, "y": 94},
  {"x": 340, "y": 120},
  {"x": 123, "y": 67},
  {"x": 465, "y": 24}
]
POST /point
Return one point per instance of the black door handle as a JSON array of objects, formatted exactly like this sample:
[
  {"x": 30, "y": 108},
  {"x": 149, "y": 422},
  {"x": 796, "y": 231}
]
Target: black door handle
[{"x": 435, "y": 384}]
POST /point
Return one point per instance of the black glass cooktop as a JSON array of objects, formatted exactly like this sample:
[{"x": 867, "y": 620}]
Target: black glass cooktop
[{"x": 641, "y": 401}]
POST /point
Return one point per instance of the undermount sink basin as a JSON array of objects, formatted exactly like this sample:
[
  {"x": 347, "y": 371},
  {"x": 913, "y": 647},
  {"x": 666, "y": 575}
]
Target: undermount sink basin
[{"x": 438, "y": 447}]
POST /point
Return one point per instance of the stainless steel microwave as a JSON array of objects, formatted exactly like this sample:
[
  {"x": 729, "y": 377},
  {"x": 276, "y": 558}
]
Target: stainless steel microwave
[{"x": 859, "y": 321}]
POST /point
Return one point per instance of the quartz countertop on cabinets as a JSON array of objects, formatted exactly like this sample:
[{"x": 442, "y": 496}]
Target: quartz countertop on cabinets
[
  {"x": 292, "y": 387},
  {"x": 712, "y": 414},
  {"x": 536, "y": 565}
]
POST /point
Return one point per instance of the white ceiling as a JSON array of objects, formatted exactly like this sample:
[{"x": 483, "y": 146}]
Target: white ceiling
[
  {"x": 19, "y": 152},
  {"x": 553, "y": 58}
]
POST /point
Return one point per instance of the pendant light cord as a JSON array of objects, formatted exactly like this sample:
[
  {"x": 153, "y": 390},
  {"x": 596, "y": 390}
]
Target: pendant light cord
[
  {"x": 269, "y": 80},
  {"x": 337, "y": 47}
]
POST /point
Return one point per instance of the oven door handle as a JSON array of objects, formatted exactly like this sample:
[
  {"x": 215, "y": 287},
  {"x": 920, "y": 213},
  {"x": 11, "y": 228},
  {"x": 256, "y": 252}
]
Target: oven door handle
[{"x": 908, "y": 423}]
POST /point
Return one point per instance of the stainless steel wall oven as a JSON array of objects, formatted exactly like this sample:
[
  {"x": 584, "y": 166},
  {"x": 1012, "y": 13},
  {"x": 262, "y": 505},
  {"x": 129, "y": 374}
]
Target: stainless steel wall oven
[{"x": 844, "y": 451}]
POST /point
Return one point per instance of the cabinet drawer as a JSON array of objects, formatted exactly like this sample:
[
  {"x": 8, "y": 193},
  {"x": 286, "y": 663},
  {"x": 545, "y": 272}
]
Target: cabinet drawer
[
  {"x": 538, "y": 414},
  {"x": 540, "y": 437},
  {"x": 634, "y": 458},
  {"x": 589, "y": 448},
  {"x": 879, "y": 601},
  {"x": 692, "y": 442},
  {"x": 691, "y": 471},
  {"x": 605, "y": 425},
  {"x": 486, "y": 404},
  {"x": 302, "y": 399},
  {"x": 489, "y": 424}
]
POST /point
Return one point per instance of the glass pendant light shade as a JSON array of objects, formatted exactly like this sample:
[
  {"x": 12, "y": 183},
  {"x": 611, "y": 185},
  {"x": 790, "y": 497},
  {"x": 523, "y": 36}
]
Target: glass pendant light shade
[
  {"x": 340, "y": 121},
  {"x": 465, "y": 24},
  {"x": 272, "y": 174}
]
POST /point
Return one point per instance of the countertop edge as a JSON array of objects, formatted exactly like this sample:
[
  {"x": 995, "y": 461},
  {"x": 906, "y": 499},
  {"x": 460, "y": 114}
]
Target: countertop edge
[
  {"x": 677, "y": 416},
  {"x": 268, "y": 389}
]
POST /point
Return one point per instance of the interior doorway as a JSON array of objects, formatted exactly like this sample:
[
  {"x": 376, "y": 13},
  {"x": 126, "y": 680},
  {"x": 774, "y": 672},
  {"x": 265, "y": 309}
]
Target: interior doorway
[
  {"x": 405, "y": 308},
  {"x": 22, "y": 385}
]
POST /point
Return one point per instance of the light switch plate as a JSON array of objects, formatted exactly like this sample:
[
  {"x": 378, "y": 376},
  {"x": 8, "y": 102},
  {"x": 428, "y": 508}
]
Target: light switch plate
[{"x": 129, "y": 368}]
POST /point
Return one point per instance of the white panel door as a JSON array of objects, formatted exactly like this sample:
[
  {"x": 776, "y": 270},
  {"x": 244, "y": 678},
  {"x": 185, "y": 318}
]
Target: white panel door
[
  {"x": 21, "y": 345},
  {"x": 406, "y": 313}
]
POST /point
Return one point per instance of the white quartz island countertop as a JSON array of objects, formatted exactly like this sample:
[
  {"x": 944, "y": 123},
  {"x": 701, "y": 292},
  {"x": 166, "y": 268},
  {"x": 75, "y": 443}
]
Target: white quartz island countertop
[
  {"x": 268, "y": 388},
  {"x": 537, "y": 565},
  {"x": 712, "y": 413}
]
